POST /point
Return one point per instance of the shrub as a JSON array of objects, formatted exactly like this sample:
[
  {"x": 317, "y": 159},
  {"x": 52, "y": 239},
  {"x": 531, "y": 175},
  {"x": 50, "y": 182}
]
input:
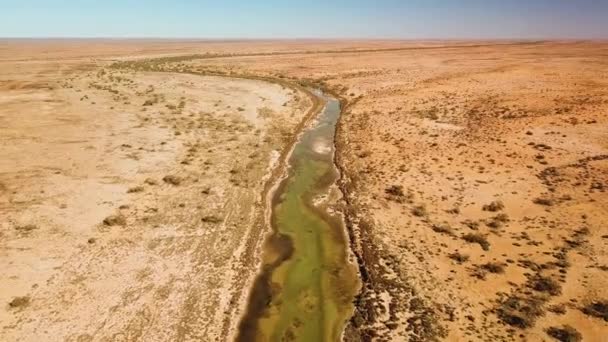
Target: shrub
[
  {"x": 115, "y": 220},
  {"x": 458, "y": 257},
  {"x": 545, "y": 284},
  {"x": 478, "y": 239},
  {"x": 493, "y": 267},
  {"x": 26, "y": 228},
  {"x": 211, "y": 219},
  {"x": 150, "y": 181},
  {"x": 520, "y": 312},
  {"x": 419, "y": 211},
  {"x": 565, "y": 333},
  {"x": 443, "y": 229},
  {"x": 494, "y": 206},
  {"x": 543, "y": 201},
  {"x": 135, "y": 189},
  {"x": 395, "y": 190},
  {"x": 173, "y": 180},
  {"x": 19, "y": 302},
  {"x": 597, "y": 309}
]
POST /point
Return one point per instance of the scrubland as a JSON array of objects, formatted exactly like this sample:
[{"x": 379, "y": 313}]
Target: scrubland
[{"x": 474, "y": 177}]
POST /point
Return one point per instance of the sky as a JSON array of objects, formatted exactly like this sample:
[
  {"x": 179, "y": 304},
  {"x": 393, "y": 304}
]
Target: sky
[{"x": 234, "y": 19}]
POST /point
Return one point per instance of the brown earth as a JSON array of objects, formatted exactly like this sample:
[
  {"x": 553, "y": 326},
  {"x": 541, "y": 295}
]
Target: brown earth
[
  {"x": 132, "y": 202},
  {"x": 475, "y": 176}
]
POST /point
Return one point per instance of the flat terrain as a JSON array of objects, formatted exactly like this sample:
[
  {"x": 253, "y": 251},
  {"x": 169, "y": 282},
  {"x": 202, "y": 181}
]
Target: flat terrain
[
  {"x": 131, "y": 202},
  {"x": 474, "y": 173}
]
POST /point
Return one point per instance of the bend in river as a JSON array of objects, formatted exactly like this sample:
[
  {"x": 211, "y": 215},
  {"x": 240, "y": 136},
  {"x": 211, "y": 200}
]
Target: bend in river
[{"x": 307, "y": 283}]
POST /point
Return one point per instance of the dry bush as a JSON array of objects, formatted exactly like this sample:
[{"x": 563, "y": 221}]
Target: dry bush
[
  {"x": 443, "y": 229},
  {"x": 565, "y": 333},
  {"x": 19, "y": 302},
  {"x": 494, "y": 206},
  {"x": 150, "y": 181},
  {"x": 597, "y": 309},
  {"x": 493, "y": 267},
  {"x": 419, "y": 211},
  {"x": 135, "y": 189},
  {"x": 173, "y": 180},
  {"x": 546, "y": 284},
  {"x": 478, "y": 239},
  {"x": 458, "y": 257},
  {"x": 211, "y": 219},
  {"x": 544, "y": 201},
  {"x": 115, "y": 220},
  {"x": 521, "y": 312},
  {"x": 395, "y": 190},
  {"x": 26, "y": 228}
]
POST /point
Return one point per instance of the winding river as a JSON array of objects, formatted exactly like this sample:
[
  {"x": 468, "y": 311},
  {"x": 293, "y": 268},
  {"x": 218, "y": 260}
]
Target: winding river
[{"x": 305, "y": 289}]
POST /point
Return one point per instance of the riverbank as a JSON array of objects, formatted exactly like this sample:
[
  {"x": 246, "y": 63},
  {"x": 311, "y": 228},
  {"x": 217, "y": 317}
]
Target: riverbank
[{"x": 303, "y": 291}]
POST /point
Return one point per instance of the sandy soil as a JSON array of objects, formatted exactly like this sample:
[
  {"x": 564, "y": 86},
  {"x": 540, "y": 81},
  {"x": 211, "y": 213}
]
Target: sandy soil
[
  {"x": 475, "y": 177},
  {"x": 131, "y": 201}
]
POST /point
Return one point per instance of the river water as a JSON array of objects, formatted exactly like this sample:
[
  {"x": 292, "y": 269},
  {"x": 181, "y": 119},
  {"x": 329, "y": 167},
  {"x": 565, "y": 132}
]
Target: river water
[{"x": 305, "y": 289}]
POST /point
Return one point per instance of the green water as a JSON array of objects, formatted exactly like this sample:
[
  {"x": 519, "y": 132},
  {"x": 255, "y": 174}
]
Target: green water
[{"x": 307, "y": 285}]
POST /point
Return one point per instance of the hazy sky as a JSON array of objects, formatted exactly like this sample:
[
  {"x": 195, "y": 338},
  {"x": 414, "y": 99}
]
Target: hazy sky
[{"x": 417, "y": 19}]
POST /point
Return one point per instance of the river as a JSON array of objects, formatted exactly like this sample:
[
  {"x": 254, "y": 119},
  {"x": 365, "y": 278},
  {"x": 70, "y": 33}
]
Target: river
[{"x": 306, "y": 286}]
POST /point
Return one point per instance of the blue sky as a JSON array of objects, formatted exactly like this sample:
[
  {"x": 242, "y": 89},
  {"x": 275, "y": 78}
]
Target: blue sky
[{"x": 414, "y": 19}]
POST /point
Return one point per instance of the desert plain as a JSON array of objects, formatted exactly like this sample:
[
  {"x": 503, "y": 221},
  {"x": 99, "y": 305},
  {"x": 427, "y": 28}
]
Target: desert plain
[{"x": 134, "y": 176}]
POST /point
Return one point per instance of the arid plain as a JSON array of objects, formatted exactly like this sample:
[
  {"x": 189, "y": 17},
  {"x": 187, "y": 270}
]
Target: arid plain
[{"x": 133, "y": 176}]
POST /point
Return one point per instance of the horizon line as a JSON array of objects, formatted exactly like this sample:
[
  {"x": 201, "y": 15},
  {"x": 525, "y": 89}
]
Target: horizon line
[{"x": 177, "y": 38}]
